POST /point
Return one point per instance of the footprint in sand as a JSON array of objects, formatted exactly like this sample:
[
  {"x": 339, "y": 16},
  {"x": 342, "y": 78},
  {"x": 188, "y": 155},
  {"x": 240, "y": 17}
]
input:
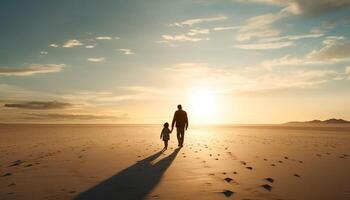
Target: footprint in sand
[
  {"x": 228, "y": 179},
  {"x": 243, "y": 163},
  {"x": 267, "y": 187},
  {"x": 16, "y": 163},
  {"x": 297, "y": 175},
  {"x": 269, "y": 179},
  {"x": 227, "y": 193},
  {"x": 7, "y": 174},
  {"x": 250, "y": 168}
]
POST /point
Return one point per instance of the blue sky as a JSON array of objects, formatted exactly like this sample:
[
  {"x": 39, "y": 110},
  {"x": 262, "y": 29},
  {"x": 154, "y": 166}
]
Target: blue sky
[{"x": 134, "y": 61}]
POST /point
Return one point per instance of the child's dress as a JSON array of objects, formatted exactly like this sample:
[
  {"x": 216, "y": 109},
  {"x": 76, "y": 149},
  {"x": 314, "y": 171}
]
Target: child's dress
[{"x": 165, "y": 134}]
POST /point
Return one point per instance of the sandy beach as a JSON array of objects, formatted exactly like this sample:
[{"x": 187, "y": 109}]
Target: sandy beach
[{"x": 126, "y": 162}]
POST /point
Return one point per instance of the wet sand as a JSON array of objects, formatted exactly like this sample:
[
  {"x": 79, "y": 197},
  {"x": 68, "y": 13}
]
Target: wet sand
[{"x": 126, "y": 162}]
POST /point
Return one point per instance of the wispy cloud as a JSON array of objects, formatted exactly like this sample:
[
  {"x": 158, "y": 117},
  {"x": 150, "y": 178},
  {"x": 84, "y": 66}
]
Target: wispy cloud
[
  {"x": 54, "y": 45},
  {"x": 347, "y": 71},
  {"x": 72, "y": 43},
  {"x": 182, "y": 38},
  {"x": 39, "y": 105},
  {"x": 331, "y": 24},
  {"x": 90, "y": 46},
  {"x": 335, "y": 49},
  {"x": 309, "y": 7},
  {"x": 198, "y": 31},
  {"x": 127, "y": 51},
  {"x": 244, "y": 80},
  {"x": 31, "y": 69},
  {"x": 264, "y": 46},
  {"x": 98, "y": 59},
  {"x": 191, "y": 22},
  {"x": 43, "y": 52},
  {"x": 225, "y": 28},
  {"x": 260, "y": 30},
  {"x": 260, "y": 27},
  {"x": 66, "y": 117},
  {"x": 291, "y": 37},
  {"x": 103, "y": 38}
]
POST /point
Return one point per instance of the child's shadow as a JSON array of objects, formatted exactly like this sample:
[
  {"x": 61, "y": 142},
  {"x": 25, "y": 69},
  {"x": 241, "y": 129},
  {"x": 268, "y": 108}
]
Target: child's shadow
[{"x": 134, "y": 182}]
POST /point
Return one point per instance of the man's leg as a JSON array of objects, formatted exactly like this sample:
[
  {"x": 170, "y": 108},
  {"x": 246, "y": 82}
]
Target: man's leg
[
  {"x": 178, "y": 134},
  {"x": 182, "y": 134}
]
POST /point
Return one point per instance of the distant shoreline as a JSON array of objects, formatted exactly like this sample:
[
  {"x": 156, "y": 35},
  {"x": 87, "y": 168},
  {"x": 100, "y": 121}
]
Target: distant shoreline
[{"x": 301, "y": 126}]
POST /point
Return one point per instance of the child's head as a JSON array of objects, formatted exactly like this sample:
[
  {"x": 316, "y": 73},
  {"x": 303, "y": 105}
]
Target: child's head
[{"x": 166, "y": 125}]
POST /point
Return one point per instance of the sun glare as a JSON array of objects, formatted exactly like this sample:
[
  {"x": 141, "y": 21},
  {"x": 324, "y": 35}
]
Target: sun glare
[{"x": 204, "y": 106}]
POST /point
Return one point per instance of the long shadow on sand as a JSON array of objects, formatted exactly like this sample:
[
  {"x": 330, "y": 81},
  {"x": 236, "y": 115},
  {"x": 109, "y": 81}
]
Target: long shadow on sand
[{"x": 134, "y": 182}]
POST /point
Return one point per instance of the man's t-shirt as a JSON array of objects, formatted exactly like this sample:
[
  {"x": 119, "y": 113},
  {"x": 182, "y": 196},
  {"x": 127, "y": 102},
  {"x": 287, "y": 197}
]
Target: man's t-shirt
[{"x": 180, "y": 118}]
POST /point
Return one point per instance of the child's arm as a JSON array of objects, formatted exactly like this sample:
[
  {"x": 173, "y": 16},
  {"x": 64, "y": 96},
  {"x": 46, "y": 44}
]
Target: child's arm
[{"x": 161, "y": 134}]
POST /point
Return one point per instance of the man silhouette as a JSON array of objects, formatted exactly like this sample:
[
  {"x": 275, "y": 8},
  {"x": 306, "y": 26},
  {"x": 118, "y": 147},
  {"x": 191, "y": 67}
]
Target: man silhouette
[{"x": 181, "y": 121}]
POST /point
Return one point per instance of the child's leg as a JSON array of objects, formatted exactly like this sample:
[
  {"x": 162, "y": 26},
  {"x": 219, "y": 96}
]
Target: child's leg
[{"x": 166, "y": 144}]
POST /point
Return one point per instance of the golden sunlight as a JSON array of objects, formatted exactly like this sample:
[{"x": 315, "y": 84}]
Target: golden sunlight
[{"x": 204, "y": 106}]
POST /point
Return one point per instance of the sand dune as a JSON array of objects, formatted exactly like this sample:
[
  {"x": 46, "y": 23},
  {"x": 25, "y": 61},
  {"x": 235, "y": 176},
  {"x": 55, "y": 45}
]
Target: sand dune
[{"x": 126, "y": 162}]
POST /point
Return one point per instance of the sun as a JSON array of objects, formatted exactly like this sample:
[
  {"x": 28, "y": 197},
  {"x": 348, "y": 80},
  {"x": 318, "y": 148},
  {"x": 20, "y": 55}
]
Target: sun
[{"x": 204, "y": 106}]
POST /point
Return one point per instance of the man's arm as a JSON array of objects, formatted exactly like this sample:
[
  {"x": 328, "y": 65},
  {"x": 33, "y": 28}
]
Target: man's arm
[
  {"x": 173, "y": 123},
  {"x": 186, "y": 120}
]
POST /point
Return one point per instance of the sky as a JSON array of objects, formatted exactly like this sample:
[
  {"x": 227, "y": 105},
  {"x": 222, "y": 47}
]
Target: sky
[{"x": 225, "y": 61}]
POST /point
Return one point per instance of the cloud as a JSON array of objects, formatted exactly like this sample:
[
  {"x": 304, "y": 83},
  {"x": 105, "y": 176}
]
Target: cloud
[
  {"x": 90, "y": 46},
  {"x": 39, "y": 105},
  {"x": 331, "y": 24},
  {"x": 43, "y": 52},
  {"x": 99, "y": 59},
  {"x": 66, "y": 117},
  {"x": 103, "y": 38},
  {"x": 72, "y": 43},
  {"x": 191, "y": 22},
  {"x": 31, "y": 69},
  {"x": 335, "y": 49},
  {"x": 182, "y": 38},
  {"x": 307, "y": 7},
  {"x": 229, "y": 80},
  {"x": 54, "y": 45},
  {"x": 347, "y": 71},
  {"x": 265, "y": 46},
  {"x": 198, "y": 31},
  {"x": 291, "y": 37},
  {"x": 127, "y": 51},
  {"x": 224, "y": 28},
  {"x": 260, "y": 27}
]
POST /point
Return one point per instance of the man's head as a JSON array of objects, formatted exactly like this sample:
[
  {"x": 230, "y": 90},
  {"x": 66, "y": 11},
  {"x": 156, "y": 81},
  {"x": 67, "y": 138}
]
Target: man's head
[{"x": 179, "y": 107}]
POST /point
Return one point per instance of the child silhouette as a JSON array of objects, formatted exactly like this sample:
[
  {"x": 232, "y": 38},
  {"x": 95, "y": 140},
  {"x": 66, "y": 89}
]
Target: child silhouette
[{"x": 165, "y": 135}]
